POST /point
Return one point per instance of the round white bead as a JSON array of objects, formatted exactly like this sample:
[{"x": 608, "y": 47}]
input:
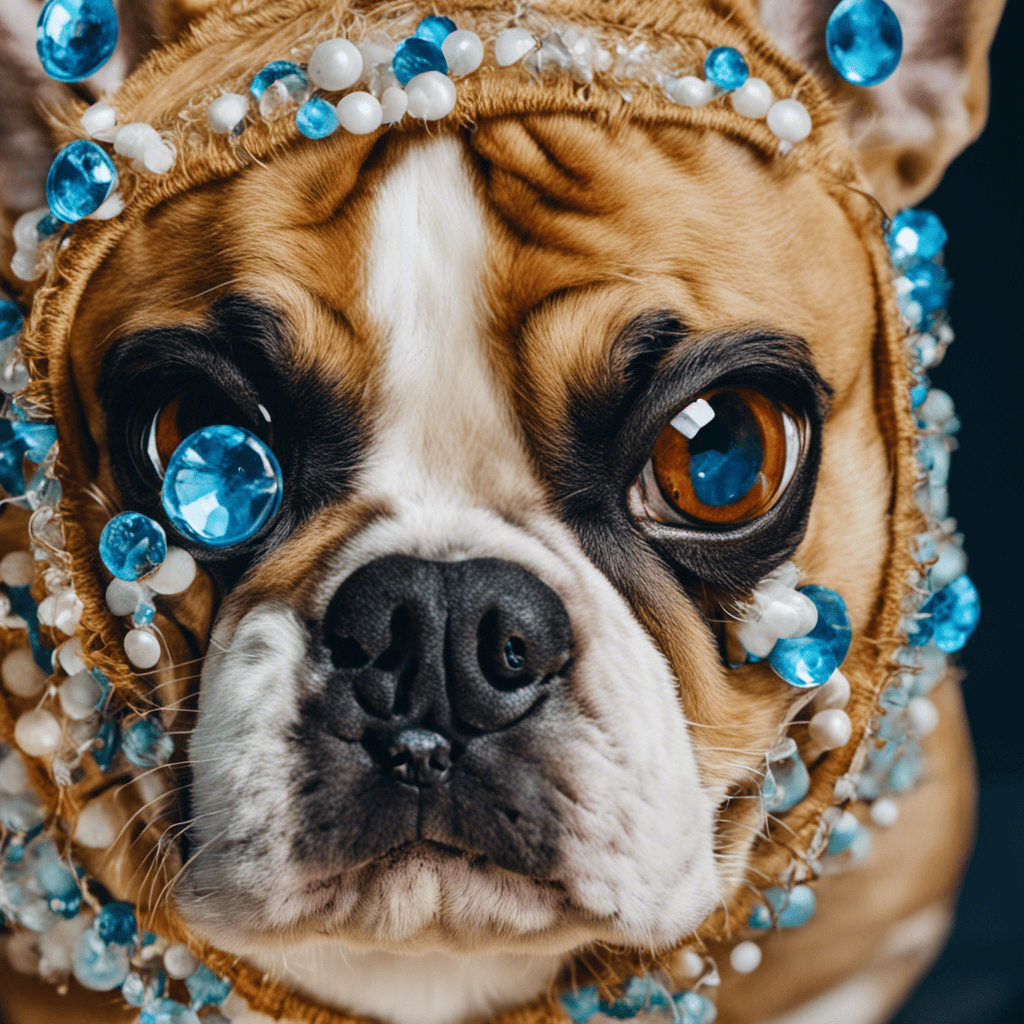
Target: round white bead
[
  {"x": 745, "y": 958},
  {"x": 756, "y": 638},
  {"x": 752, "y": 98},
  {"x": 69, "y": 656},
  {"x": 360, "y": 113},
  {"x": 175, "y": 574},
  {"x": 431, "y": 95},
  {"x": 21, "y": 675},
  {"x": 123, "y": 596},
  {"x": 62, "y": 610},
  {"x": 112, "y": 206},
  {"x": 99, "y": 824},
  {"x": 26, "y": 237},
  {"x": 691, "y": 91},
  {"x": 100, "y": 117},
  {"x": 922, "y": 717},
  {"x": 691, "y": 965},
  {"x": 157, "y": 157},
  {"x": 179, "y": 962},
  {"x": 14, "y": 775},
  {"x": 225, "y": 113},
  {"x": 463, "y": 50},
  {"x": 393, "y": 104},
  {"x": 131, "y": 139},
  {"x": 142, "y": 648},
  {"x": 335, "y": 64},
  {"x": 37, "y": 733},
  {"x": 513, "y": 45},
  {"x": 80, "y": 695},
  {"x": 26, "y": 266},
  {"x": 833, "y": 693},
  {"x": 17, "y": 568},
  {"x": 884, "y": 812},
  {"x": 831, "y": 729},
  {"x": 789, "y": 121}
]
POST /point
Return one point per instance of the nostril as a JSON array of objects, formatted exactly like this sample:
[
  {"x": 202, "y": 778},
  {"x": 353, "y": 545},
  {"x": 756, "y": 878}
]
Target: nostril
[
  {"x": 515, "y": 653},
  {"x": 504, "y": 660},
  {"x": 419, "y": 757},
  {"x": 346, "y": 652}
]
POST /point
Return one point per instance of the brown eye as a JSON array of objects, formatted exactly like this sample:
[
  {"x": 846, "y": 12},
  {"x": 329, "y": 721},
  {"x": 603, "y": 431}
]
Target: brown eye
[{"x": 726, "y": 458}]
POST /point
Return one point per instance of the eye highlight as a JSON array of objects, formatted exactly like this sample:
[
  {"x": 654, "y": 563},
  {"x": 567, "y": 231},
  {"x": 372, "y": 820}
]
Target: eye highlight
[{"x": 724, "y": 460}]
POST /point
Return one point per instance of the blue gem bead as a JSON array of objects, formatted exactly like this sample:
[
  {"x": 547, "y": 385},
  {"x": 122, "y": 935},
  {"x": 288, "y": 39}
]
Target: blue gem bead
[
  {"x": 949, "y": 617},
  {"x": 109, "y": 743},
  {"x": 98, "y": 966},
  {"x": 144, "y": 614},
  {"x": 316, "y": 118},
  {"x": 864, "y": 41},
  {"x": 38, "y": 438},
  {"x": 581, "y": 1004},
  {"x": 843, "y": 835},
  {"x": 116, "y": 924},
  {"x": 79, "y": 181},
  {"x": 435, "y": 29},
  {"x": 695, "y": 1008},
  {"x": 786, "y": 783},
  {"x": 132, "y": 546},
  {"x": 792, "y": 908},
  {"x": 206, "y": 989},
  {"x": 55, "y": 879},
  {"x": 167, "y": 1011},
  {"x": 915, "y": 233},
  {"x": 75, "y": 38},
  {"x": 641, "y": 993},
  {"x": 809, "y": 660},
  {"x": 271, "y": 73},
  {"x": 11, "y": 319},
  {"x": 906, "y": 772},
  {"x": 146, "y": 744},
  {"x": 222, "y": 486},
  {"x": 928, "y": 291},
  {"x": 413, "y": 56},
  {"x": 726, "y": 68}
]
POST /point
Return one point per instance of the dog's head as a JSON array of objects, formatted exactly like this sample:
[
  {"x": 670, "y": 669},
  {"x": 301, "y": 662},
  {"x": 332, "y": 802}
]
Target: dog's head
[{"x": 469, "y": 689}]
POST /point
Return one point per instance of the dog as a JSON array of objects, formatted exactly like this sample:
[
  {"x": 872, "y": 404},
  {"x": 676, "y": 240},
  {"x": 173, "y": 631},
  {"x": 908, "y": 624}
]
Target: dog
[{"x": 463, "y": 347}]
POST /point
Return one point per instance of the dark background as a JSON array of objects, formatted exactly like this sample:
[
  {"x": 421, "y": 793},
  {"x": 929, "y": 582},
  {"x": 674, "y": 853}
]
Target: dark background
[{"x": 980, "y": 976}]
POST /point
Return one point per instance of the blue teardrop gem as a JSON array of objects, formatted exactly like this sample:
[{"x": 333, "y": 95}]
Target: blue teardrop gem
[
  {"x": 81, "y": 178},
  {"x": 809, "y": 660},
  {"x": 75, "y": 38},
  {"x": 271, "y": 73},
  {"x": 864, "y": 41},
  {"x": 413, "y": 56}
]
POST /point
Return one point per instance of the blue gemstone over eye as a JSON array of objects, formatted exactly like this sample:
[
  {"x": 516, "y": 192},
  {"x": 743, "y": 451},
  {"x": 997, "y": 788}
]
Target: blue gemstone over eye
[
  {"x": 75, "y": 38},
  {"x": 809, "y": 660},
  {"x": 11, "y": 319},
  {"x": 132, "y": 546},
  {"x": 435, "y": 29},
  {"x": 915, "y": 233},
  {"x": 722, "y": 478},
  {"x": 950, "y": 616},
  {"x": 413, "y": 56},
  {"x": 222, "y": 486},
  {"x": 316, "y": 118},
  {"x": 864, "y": 41},
  {"x": 80, "y": 179},
  {"x": 726, "y": 68},
  {"x": 271, "y": 73}
]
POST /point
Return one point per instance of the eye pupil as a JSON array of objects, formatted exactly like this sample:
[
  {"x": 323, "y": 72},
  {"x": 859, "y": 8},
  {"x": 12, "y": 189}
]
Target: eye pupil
[{"x": 726, "y": 456}]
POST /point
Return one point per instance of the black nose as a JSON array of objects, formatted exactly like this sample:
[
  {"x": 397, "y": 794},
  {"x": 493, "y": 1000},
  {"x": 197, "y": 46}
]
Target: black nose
[{"x": 428, "y": 650}]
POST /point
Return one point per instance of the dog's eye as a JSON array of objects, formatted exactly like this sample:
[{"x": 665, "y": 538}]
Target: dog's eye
[
  {"x": 186, "y": 413},
  {"x": 725, "y": 459}
]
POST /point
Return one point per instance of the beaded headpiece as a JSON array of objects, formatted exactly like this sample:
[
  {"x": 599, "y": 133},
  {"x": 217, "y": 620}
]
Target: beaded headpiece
[{"x": 73, "y": 706}]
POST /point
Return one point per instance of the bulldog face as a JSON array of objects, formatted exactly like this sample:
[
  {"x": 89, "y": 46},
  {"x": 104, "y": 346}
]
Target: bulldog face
[{"x": 469, "y": 690}]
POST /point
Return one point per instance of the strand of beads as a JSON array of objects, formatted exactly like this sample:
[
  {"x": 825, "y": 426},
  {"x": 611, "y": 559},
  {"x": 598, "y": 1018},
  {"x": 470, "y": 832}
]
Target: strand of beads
[{"x": 644, "y": 997}]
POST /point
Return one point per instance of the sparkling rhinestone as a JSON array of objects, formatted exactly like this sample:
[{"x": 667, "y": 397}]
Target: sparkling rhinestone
[
  {"x": 792, "y": 908},
  {"x": 726, "y": 68},
  {"x": 206, "y": 989},
  {"x": 435, "y": 29},
  {"x": 915, "y": 233},
  {"x": 949, "y": 617},
  {"x": 10, "y": 318},
  {"x": 98, "y": 966},
  {"x": 37, "y": 438},
  {"x": 810, "y": 660},
  {"x": 79, "y": 181},
  {"x": 413, "y": 56},
  {"x": 581, "y": 1004},
  {"x": 274, "y": 71},
  {"x": 116, "y": 924},
  {"x": 167, "y": 1011},
  {"x": 222, "y": 486},
  {"x": 864, "y": 41},
  {"x": 316, "y": 118},
  {"x": 146, "y": 745},
  {"x": 785, "y": 783},
  {"x": 132, "y": 546},
  {"x": 927, "y": 290},
  {"x": 145, "y": 612},
  {"x": 75, "y": 38}
]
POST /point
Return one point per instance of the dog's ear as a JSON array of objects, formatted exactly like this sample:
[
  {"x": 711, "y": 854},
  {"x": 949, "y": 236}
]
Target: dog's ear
[{"x": 910, "y": 127}]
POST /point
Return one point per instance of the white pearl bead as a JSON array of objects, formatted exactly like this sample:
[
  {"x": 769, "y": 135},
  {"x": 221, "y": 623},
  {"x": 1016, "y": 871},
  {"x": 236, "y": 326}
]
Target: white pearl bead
[
  {"x": 335, "y": 64},
  {"x": 752, "y": 98},
  {"x": 142, "y": 648},
  {"x": 62, "y": 610},
  {"x": 513, "y": 45},
  {"x": 884, "y": 812},
  {"x": 691, "y": 965},
  {"x": 80, "y": 695},
  {"x": 360, "y": 113},
  {"x": 691, "y": 91},
  {"x": 756, "y": 638},
  {"x": 831, "y": 729},
  {"x": 175, "y": 574},
  {"x": 463, "y": 50},
  {"x": 112, "y": 206},
  {"x": 99, "y": 824},
  {"x": 100, "y": 117},
  {"x": 225, "y": 113},
  {"x": 26, "y": 237},
  {"x": 179, "y": 962},
  {"x": 37, "y": 733},
  {"x": 157, "y": 157},
  {"x": 745, "y": 958},
  {"x": 69, "y": 656},
  {"x": 21, "y": 675},
  {"x": 431, "y": 95},
  {"x": 393, "y": 104},
  {"x": 131, "y": 139},
  {"x": 833, "y": 693},
  {"x": 26, "y": 266},
  {"x": 789, "y": 121},
  {"x": 14, "y": 775},
  {"x": 922, "y": 717},
  {"x": 17, "y": 568},
  {"x": 123, "y": 596}
]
